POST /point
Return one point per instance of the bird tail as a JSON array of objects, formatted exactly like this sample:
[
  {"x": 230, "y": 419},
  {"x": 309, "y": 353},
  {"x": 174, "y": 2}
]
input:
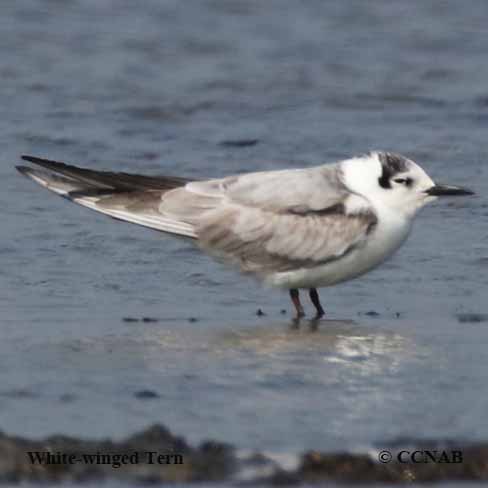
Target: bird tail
[{"x": 123, "y": 196}]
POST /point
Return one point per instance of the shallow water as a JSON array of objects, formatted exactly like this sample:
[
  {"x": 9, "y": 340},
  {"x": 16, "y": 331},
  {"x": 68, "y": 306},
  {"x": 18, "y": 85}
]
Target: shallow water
[{"x": 160, "y": 89}]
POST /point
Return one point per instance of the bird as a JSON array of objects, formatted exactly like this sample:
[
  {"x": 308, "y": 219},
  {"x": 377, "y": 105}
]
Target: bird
[{"x": 301, "y": 228}]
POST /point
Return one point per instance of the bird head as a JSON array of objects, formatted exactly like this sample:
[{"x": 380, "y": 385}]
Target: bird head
[{"x": 394, "y": 181}]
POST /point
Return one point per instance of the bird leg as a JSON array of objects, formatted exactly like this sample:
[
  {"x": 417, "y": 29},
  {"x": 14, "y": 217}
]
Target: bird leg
[
  {"x": 314, "y": 297},
  {"x": 295, "y": 298}
]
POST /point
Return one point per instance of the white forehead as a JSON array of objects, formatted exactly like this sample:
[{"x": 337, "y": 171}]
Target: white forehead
[{"x": 366, "y": 170}]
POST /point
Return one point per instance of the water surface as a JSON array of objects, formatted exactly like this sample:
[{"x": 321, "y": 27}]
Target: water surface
[{"x": 160, "y": 88}]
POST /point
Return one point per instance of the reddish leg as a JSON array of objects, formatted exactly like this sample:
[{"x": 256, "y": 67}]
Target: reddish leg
[
  {"x": 314, "y": 297},
  {"x": 295, "y": 298}
]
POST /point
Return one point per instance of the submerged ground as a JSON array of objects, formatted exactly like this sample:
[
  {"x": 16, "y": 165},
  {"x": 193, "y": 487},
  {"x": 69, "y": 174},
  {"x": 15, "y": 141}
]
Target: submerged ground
[{"x": 107, "y": 328}]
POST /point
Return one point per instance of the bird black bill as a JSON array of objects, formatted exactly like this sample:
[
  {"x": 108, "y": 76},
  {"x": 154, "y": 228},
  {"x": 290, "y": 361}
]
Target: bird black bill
[{"x": 447, "y": 190}]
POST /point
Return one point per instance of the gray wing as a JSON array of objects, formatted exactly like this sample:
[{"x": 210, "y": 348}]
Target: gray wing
[
  {"x": 273, "y": 221},
  {"x": 129, "y": 197},
  {"x": 265, "y": 222}
]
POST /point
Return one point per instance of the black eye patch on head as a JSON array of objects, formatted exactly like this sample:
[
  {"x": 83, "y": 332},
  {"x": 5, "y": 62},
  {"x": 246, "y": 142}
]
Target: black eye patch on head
[
  {"x": 404, "y": 181},
  {"x": 392, "y": 164}
]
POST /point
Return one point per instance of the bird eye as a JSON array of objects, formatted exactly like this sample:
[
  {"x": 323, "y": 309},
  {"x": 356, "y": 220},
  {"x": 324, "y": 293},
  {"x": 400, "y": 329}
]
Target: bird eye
[{"x": 404, "y": 181}]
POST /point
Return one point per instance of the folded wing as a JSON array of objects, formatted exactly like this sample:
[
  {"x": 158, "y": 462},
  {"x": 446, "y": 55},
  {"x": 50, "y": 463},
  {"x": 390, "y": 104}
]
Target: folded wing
[
  {"x": 124, "y": 196},
  {"x": 263, "y": 222},
  {"x": 273, "y": 221}
]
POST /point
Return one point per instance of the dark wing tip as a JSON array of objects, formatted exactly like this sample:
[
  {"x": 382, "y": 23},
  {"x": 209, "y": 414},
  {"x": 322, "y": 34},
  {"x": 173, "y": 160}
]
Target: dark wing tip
[
  {"x": 49, "y": 164},
  {"x": 25, "y": 170},
  {"x": 31, "y": 159},
  {"x": 107, "y": 179},
  {"x": 41, "y": 161}
]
